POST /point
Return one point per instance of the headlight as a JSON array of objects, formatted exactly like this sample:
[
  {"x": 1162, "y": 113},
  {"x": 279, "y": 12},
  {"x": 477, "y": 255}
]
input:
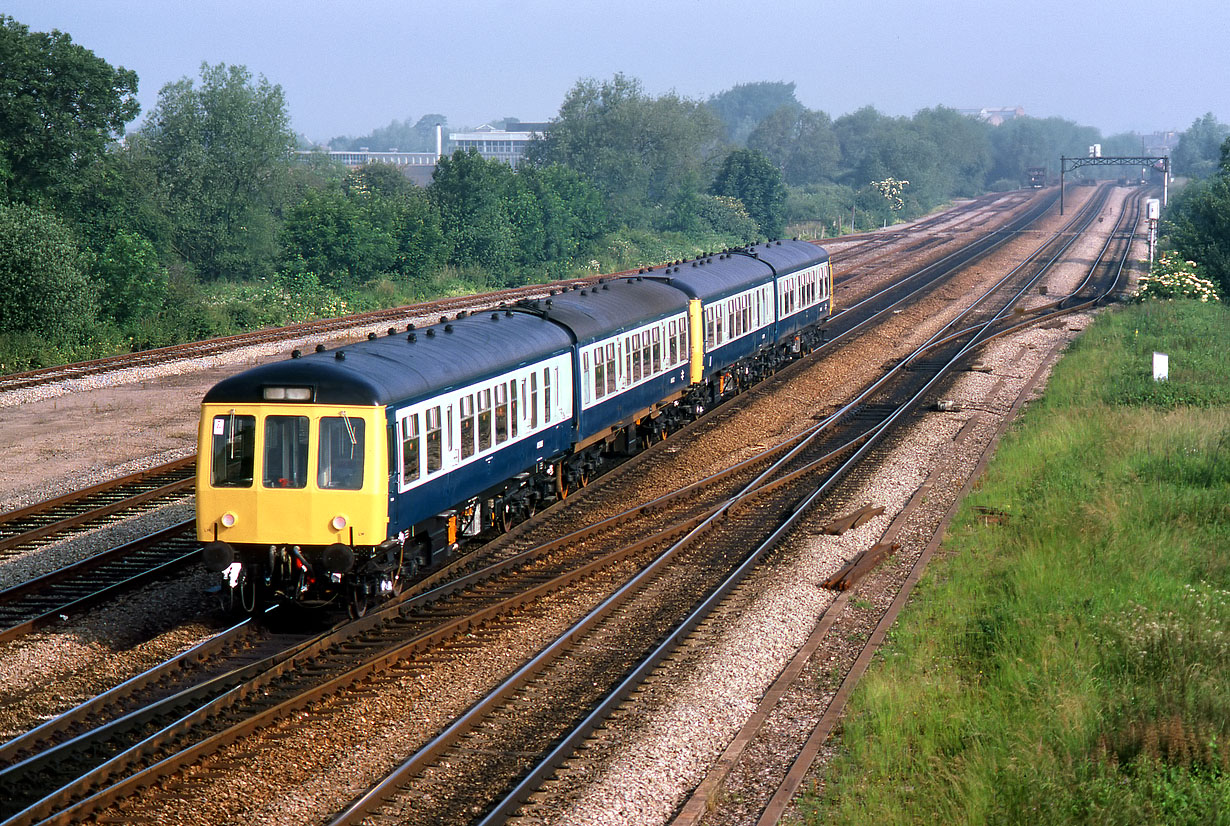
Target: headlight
[
  {"x": 338, "y": 523},
  {"x": 228, "y": 520}
]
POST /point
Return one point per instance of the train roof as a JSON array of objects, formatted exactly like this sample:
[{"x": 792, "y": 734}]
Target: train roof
[
  {"x": 608, "y": 308},
  {"x": 716, "y": 276},
  {"x": 392, "y": 369}
]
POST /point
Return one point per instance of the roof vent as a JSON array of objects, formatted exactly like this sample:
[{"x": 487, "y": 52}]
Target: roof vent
[
  {"x": 296, "y": 354},
  {"x": 443, "y": 319},
  {"x": 693, "y": 263},
  {"x": 392, "y": 331},
  {"x": 606, "y": 286},
  {"x": 340, "y": 356},
  {"x": 549, "y": 302},
  {"x": 371, "y": 336},
  {"x": 412, "y": 337},
  {"x": 462, "y": 315},
  {"x": 431, "y": 333},
  {"x": 584, "y": 292},
  {"x": 409, "y": 327},
  {"x": 448, "y": 328},
  {"x": 508, "y": 313},
  {"x": 495, "y": 316},
  {"x": 320, "y": 348}
]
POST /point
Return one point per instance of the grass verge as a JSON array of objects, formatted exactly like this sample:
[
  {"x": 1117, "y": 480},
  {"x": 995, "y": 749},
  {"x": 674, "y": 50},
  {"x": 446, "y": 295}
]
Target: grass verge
[{"x": 1073, "y": 665}]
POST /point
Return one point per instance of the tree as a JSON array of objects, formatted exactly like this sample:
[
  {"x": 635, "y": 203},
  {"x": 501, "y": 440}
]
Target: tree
[
  {"x": 640, "y": 152},
  {"x": 60, "y": 105},
  {"x": 1024, "y": 142},
  {"x": 335, "y": 238},
  {"x": 42, "y": 276},
  {"x": 749, "y": 176},
  {"x": 963, "y": 156},
  {"x": 133, "y": 283},
  {"x": 469, "y": 191},
  {"x": 222, "y": 155},
  {"x": 802, "y": 144},
  {"x": 745, "y": 106},
  {"x": 1199, "y": 147},
  {"x": 1198, "y": 223}
]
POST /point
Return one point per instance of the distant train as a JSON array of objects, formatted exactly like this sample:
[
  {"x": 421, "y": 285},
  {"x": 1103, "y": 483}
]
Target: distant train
[{"x": 339, "y": 475}]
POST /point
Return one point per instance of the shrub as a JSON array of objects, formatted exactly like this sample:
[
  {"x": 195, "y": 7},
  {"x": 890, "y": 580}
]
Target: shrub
[
  {"x": 42, "y": 276},
  {"x": 1171, "y": 278}
]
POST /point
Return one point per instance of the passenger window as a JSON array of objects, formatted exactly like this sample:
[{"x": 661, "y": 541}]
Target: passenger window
[
  {"x": 546, "y": 392},
  {"x": 467, "y": 426},
  {"x": 636, "y": 361},
  {"x": 513, "y": 398},
  {"x": 533, "y": 400},
  {"x": 599, "y": 374},
  {"x": 435, "y": 442},
  {"x": 233, "y": 451},
  {"x": 501, "y": 413},
  {"x": 286, "y": 452},
  {"x": 340, "y": 465},
  {"x": 610, "y": 368},
  {"x": 409, "y": 449},
  {"x": 484, "y": 420}
]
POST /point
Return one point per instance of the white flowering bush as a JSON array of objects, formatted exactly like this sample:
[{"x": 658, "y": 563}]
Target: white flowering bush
[
  {"x": 891, "y": 189},
  {"x": 1172, "y": 277}
]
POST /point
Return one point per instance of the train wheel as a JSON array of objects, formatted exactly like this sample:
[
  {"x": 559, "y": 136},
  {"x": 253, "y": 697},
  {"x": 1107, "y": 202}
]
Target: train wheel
[
  {"x": 504, "y": 518},
  {"x": 359, "y": 601}
]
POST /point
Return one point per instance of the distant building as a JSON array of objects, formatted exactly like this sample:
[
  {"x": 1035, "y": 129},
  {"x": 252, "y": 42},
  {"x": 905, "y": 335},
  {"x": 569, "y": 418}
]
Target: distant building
[
  {"x": 994, "y": 115},
  {"x": 506, "y": 146},
  {"x": 1157, "y": 144}
]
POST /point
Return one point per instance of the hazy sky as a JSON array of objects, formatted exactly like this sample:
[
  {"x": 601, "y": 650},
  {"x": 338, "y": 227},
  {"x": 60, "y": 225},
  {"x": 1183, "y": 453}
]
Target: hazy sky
[{"x": 349, "y": 67}]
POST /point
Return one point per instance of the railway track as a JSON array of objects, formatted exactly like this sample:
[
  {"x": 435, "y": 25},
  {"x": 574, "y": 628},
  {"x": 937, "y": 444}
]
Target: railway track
[
  {"x": 1102, "y": 278},
  {"x": 962, "y": 338},
  {"x": 27, "y": 528},
  {"x": 65, "y": 591},
  {"x": 339, "y": 675}
]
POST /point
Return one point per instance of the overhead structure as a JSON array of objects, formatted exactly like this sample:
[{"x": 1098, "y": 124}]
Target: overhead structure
[{"x": 1095, "y": 159}]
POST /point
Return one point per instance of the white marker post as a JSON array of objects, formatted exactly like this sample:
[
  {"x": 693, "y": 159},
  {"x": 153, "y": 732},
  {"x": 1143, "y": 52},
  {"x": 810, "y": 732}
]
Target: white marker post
[{"x": 1161, "y": 367}]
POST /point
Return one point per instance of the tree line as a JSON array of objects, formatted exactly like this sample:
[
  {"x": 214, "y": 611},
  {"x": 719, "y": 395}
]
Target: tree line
[{"x": 202, "y": 221}]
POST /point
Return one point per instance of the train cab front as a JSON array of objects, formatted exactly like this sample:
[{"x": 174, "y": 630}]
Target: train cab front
[{"x": 291, "y": 500}]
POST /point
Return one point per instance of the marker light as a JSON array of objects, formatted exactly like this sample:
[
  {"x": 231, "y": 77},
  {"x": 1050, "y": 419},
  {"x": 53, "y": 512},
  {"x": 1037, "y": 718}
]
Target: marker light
[
  {"x": 338, "y": 523},
  {"x": 228, "y": 520},
  {"x": 290, "y": 394}
]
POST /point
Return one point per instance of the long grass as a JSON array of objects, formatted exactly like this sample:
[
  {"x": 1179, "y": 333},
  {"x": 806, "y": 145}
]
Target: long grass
[{"x": 1073, "y": 665}]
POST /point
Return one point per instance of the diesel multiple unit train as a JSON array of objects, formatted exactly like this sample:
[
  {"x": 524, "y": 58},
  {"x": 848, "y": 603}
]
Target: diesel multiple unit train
[{"x": 337, "y": 475}]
